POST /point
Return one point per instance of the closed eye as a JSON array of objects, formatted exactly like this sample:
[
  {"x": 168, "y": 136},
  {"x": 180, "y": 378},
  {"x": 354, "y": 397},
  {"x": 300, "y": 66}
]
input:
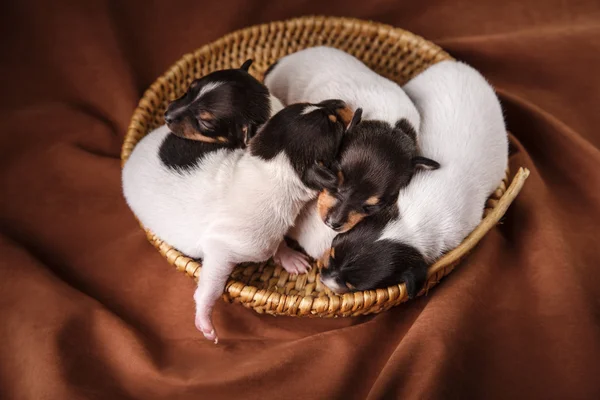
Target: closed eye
[
  {"x": 206, "y": 124},
  {"x": 371, "y": 208}
]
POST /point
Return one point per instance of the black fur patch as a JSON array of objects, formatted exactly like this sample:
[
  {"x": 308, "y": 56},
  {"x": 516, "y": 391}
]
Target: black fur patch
[
  {"x": 236, "y": 107},
  {"x": 406, "y": 127},
  {"x": 306, "y": 139},
  {"x": 367, "y": 263},
  {"x": 181, "y": 154}
]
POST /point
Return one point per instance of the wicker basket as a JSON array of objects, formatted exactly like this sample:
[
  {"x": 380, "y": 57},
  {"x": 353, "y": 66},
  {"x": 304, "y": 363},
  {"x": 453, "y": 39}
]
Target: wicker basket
[{"x": 393, "y": 53}]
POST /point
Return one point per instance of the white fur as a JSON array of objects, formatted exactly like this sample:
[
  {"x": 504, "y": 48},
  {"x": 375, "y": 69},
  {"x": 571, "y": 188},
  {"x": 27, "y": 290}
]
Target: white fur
[
  {"x": 463, "y": 129},
  {"x": 230, "y": 208},
  {"x": 310, "y": 232},
  {"x": 207, "y": 88},
  {"x": 321, "y": 73},
  {"x": 231, "y": 199}
]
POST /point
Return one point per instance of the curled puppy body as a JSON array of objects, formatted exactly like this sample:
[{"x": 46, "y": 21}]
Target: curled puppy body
[
  {"x": 156, "y": 175},
  {"x": 235, "y": 205},
  {"x": 380, "y": 154},
  {"x": 463, "y": 128}
]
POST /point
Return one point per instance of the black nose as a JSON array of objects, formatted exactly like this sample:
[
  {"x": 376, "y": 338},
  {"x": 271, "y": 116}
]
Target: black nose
[
  {"x": 335, "y": 225},
  {"x": 169, "y": 119}
]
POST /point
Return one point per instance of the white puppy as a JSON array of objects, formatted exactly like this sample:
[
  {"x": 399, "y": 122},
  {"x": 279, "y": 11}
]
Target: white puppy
[
  {"x": 463, "y": 128},
  {"x": 234, "y": 205}
]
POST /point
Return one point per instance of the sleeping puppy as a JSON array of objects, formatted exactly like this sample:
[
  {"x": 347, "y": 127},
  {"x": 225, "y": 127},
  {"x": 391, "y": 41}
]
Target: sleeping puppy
[
  {"x": 235, "y": 205},
  {"x": 223, "y": 107},
  {"x": 221, "y": 110},
  {"x": 379, "y": 155},
  {"x": 162, "y": 160},
  {"x": 464, "y": 129}
]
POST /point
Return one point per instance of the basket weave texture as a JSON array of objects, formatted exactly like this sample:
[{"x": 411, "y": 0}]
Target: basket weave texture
[{"x": 392, "y": 52}]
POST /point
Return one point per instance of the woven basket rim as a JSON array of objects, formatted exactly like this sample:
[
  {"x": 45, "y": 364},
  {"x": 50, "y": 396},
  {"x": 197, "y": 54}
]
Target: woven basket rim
[{"x": 291, "y": 304}]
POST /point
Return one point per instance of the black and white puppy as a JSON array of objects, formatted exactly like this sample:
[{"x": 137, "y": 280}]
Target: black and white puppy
[
  {"x": 225, "y": 106},
  {"x": 379, "y": 155},
  {"x": 463, "y": 128},
  {"x": 235, "y": 205}
]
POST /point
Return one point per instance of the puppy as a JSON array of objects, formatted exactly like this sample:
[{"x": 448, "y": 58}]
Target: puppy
[
  {"x": 235, "y": 205},
  {"x": 226, "y": 106},
  {"x": 155, "y": 175},
  {"x": 221, "y": 110},
  {"x": 463, "y": 128},
  {"x": 379, "y": 156}
]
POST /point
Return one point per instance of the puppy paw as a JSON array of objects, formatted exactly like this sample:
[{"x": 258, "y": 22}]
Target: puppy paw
[
  {"x": 294, "y": 262},
  {"x": 204, "y": 325}
]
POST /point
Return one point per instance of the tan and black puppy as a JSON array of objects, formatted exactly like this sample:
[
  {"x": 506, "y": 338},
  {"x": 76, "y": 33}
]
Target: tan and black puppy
[
  {"x": 221, "y": 110},
  {"x": 225, "y": 106},
  {"x": 374, "y": 163}
]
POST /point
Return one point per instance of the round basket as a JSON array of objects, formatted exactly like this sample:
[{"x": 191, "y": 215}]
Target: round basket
[{"x": 394, "y": 53}]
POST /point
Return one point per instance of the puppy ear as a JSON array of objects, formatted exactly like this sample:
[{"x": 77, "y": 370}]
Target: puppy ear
[
  {"x": 246, "y": 65},
  {"x": 356, "y": 118},
  {"x": 414, "y": 278},
  {"x": 319, "y": 177},
  {"x": 419, "y": 162}
]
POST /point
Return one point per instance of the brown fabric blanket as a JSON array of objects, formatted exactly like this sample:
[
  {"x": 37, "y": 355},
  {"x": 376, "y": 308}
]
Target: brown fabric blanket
[{"x": 89, "y": 310}]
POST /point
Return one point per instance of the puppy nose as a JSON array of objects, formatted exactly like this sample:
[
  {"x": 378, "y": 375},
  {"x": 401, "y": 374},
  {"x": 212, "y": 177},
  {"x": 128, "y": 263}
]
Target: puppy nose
[
  {"x": 335, "y": 225},
  {"x": 171, "y": 117}
]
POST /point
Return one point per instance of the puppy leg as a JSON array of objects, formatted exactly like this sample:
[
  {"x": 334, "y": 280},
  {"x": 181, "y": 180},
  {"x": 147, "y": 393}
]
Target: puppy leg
[
  {"x": 291, "y": 260},
  {"x": 211, "y": 284}
]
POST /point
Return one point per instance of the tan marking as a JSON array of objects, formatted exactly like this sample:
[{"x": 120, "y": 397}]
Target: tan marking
[
  {"x": 340, "y": 176},
  {"x": 332, "y": 118},
  {"x": 371, "y": 201},
  {"x": 324, "y": 203},
  {"x": 245, "y": 133},
  {"x": 332, "y": 253},
  {"x": 192, "y": 134},
  {"x": 353, "y": 219},
  {"x": 325, "y": 260},
  {"x": 345, "y": 115},
  {"x": 350, "y": 286},
  {"x": 206, "y": 115}
]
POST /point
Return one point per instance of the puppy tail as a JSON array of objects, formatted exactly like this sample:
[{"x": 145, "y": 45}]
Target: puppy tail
[{"x": 414, "y": 278}]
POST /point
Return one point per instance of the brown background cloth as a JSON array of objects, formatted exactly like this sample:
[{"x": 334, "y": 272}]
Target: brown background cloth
[{"x": 90, "y": 310}]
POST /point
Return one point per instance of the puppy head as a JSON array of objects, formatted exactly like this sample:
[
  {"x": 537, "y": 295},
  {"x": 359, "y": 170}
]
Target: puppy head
[
  {"x": 374, "y": 163},
  {"x": 225, "y": 106},
  {"x": 358, "y": 261},
  {"x": 309, "y": 135}
]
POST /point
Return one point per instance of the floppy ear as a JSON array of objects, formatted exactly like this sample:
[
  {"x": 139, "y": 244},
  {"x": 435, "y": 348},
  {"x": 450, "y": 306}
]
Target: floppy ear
[
  {"x": 356, "y": 118},
  {"x": 246, "y": 65},
  {"x": 415, "y": 278},
  {"x": 319, "y": 177},
  {"x": 419, "y": 162}
]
